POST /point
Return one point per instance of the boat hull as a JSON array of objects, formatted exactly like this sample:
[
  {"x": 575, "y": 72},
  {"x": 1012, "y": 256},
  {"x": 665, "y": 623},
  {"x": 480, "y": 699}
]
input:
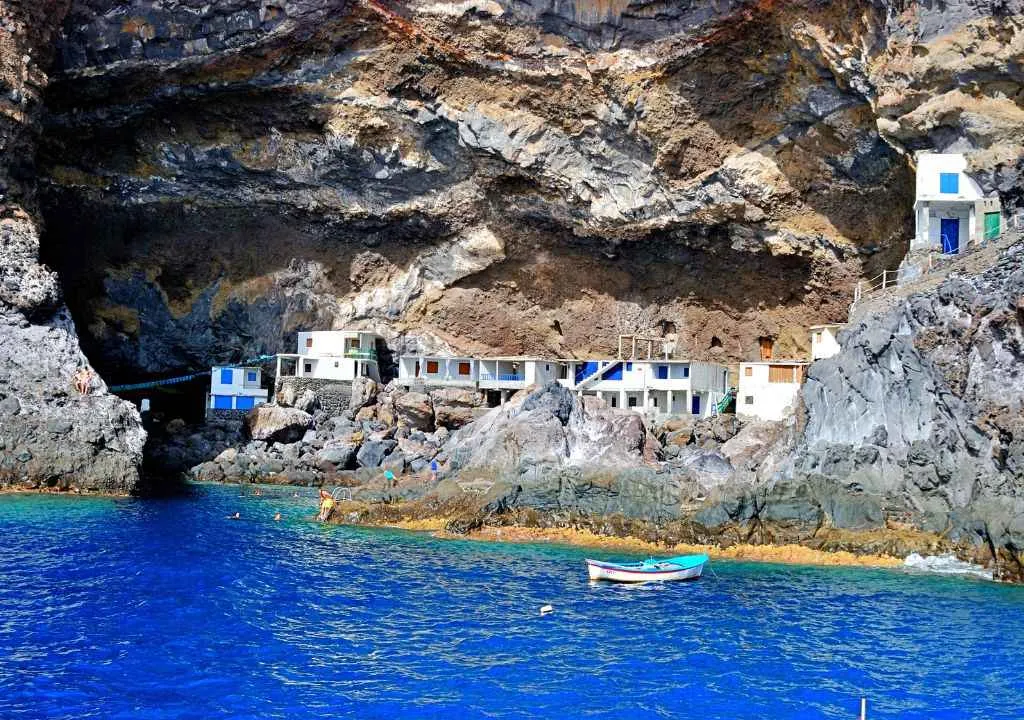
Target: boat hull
[{"x": 641, "y": 574}]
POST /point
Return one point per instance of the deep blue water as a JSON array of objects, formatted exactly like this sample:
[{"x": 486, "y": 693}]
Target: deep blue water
[{"x": 166, "y": 609}]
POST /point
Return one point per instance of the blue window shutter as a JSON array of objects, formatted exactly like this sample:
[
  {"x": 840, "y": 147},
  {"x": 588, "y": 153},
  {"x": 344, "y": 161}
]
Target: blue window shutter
[
  {"x": 222, "y": 402},
  {"x": 686, "y": 371},
  {"x": 629, "y": 367},
  {"x": 949, "y": 183},
  {"x": 225, "y": 376},
  {"x": 252, "y": 376},
  {"x": 663, "y": 372},
  {"x": 243, "y": 402}
]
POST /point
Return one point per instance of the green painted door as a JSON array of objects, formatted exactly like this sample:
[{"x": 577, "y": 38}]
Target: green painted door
[{"x": 991, "y": 225}]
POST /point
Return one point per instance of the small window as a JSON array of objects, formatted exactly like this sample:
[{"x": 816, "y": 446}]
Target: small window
[
  {"x": 547, "y": 368},
  {"x": 309, "y": 342},
  {"x": 336, "y": 364},
  {"x": 308, "y": 367},
  {"x": 563, "y": 373},
  {"x": 748, "y": 399},
  {"x": 748, "y": 371},
  {"x": 464, "y": 368},
  {"x": 632, "y": 402},
  {"x": 251, "y": 376},
  {"x": 629, "y": 368},
  {"x": 949, "y": 183},
  {"x": 654, "y": 401},
  {"x": 615, "y": 401},
  {"x": 431, "y": 366},
  {"x": 663, "y": 372},
  {"x": 226, "y": 376},
  {"x": 686, "y": 371}
]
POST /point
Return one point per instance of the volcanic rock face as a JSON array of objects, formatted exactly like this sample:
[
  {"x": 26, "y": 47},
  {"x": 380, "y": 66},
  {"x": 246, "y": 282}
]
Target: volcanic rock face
[
  {"x": 488, "y": 177},
  {"x": 58, "y": 425},
  {"x": 923, "y": 410}
]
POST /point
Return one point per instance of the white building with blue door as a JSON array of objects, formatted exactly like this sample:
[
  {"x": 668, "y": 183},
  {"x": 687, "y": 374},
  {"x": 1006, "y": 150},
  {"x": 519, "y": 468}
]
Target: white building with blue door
[
  {"x": 649, "y": 386},
  {"x": 236, "y": 388},
  {"x": 652, "y": 387},
  {"x": 950, "y": 210}
]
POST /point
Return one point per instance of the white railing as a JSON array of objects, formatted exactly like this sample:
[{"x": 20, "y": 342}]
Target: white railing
[{"x": 892, "y": 278}]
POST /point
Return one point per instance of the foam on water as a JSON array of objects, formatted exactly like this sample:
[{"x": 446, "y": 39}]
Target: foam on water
[{"x": 946, "y": 565}]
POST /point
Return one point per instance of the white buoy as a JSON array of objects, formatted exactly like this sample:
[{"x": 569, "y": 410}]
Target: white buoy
[{"x": 547, "y": 609}]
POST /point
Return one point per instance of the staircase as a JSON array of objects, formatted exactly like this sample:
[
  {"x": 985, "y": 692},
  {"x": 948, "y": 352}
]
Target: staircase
[{"x": 602, "y": 368}]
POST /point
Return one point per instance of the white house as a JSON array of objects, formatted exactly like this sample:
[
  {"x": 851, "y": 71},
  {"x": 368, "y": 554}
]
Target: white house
[
  {"x": 769, "y": 389},
  {"x": 654, "y": 387},
  {"x": 438, "y": 370},
  {"x": 823, "y": 340},
  {"x": 236, "y": 388},
  {"x": 502, "y": 376},
  {"x": 657, "y": 387},
  {"x": 332, "y": 355},
  {"x": 950, "y": 209}
]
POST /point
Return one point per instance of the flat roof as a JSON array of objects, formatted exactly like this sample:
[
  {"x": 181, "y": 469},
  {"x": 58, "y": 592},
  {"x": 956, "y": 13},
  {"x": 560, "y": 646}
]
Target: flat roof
[
  {"x": 438, "y": 356},
  {"x": 826, "y": 325},
  {"x": 776, "y": 362},
  {"x": 346, "y": 331}
]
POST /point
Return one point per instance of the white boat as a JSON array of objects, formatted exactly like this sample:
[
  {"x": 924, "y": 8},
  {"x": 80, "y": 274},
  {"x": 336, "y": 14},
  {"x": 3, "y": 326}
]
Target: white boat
[{"x": 681, "y": 567}]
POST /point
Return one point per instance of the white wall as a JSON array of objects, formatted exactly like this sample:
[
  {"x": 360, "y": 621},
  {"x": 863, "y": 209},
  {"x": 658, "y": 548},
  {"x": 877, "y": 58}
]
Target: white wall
[
  {"x": 824, "y": 343},
  {"x": 772, "y": 401},
  {"x": 931, "y": 165},
  {"x": 240, "y": 386},
  {"x": 332, "y": 342}
]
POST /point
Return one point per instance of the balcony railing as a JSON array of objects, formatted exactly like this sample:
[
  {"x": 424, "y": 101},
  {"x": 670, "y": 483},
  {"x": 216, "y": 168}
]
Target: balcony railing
[
  {"x": 502, "y": 377},
  {"x": 361, "y": 354}
]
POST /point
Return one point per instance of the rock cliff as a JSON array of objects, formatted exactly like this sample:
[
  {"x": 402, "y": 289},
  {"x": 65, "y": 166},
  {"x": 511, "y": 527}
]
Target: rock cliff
[
  {"x": 58, "y": 425},
  {"x": 489, "y": 177},
  {"x": 477, "y": 176}
]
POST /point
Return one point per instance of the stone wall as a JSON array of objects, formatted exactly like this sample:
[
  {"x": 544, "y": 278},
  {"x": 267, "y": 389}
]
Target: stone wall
[{"x": 333, "y": 396}]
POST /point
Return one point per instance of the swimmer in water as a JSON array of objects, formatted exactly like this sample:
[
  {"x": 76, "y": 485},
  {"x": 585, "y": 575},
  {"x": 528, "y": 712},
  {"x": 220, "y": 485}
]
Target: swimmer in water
[
  {"x": 277, "y": 517},
  {"x": 236, "y": 516}
]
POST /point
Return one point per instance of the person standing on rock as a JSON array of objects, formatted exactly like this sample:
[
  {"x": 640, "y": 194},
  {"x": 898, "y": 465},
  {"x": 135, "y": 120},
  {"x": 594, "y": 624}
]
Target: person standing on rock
[
  {"x": 326, "y": 506},
  {"x": 433, "y": 470}
]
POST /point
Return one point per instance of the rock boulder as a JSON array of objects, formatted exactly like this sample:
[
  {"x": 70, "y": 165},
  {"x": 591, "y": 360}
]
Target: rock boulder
[{"x": 278, "y": 424}]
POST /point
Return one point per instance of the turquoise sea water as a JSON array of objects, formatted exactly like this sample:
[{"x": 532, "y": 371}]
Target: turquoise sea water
[{"x": 166, "y": 609}]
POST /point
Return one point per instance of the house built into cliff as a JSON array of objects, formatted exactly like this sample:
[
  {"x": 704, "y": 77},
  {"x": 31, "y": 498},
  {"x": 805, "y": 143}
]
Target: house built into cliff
[
  {"x": 650, "y": 386},
  {"x": 824, "y": 342},
  {"x": 769, "y": 389},
  {"x": 438, "y": 370},
  {"x": 332, "y": 355},
  {"x": 950, "y": 209},
  {"x": 236, "y": 388}
]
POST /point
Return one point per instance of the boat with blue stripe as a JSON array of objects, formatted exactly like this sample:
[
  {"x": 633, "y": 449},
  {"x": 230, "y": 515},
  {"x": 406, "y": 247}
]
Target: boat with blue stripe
[{"x": 680, "y": 567}]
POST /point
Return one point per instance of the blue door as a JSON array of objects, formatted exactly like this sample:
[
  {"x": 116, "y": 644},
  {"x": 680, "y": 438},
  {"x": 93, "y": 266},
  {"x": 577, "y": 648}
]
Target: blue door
[
  {"x": 950, "y": 231},
  {"x": 243, "y": 402},
  {"x": 695, "y": 405},
  {"x": 221, "y": 402},
  {"x": 663, "y": 372}
]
